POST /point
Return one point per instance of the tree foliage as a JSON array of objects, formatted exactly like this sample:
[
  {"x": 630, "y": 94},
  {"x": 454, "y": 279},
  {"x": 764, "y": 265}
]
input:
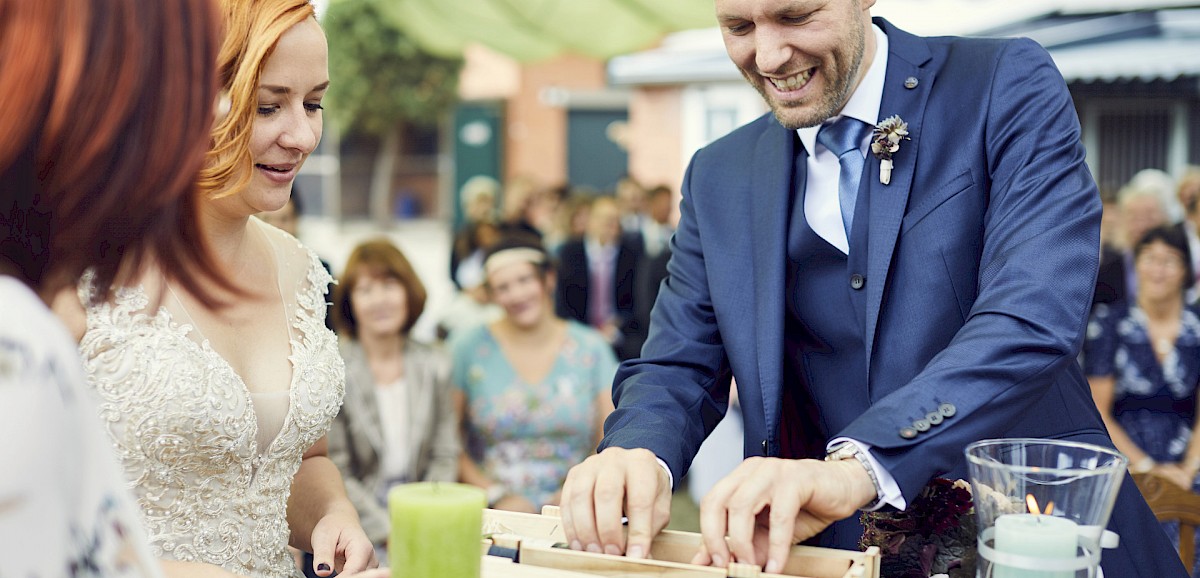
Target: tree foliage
[{"x": 380, "y": 77}]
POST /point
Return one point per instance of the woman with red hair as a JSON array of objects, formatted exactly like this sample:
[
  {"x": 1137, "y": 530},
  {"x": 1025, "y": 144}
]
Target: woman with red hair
[{"x": 105, "y": 114}]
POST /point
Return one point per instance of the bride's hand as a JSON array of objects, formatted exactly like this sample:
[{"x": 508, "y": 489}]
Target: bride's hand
[{"x": 339, "y": 543}]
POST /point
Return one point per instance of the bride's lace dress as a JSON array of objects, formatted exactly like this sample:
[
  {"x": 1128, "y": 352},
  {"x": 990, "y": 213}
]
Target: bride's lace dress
[{"x": 185, "y": 425}]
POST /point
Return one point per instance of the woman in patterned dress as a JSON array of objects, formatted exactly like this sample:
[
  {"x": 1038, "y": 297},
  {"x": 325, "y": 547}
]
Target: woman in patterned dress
[
  {"x": 533, "y": 389},
  {"x": 220, "y": 414},
  {"x": 1143, "y": 363}
]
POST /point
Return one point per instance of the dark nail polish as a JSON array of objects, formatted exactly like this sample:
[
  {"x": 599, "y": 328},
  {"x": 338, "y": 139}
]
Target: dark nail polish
[{"x": 322, "y": 567}]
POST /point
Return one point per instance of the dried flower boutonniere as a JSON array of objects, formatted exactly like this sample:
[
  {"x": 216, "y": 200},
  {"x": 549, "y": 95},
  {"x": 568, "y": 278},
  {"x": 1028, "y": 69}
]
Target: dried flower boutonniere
[{"x": 885, "y": 142}]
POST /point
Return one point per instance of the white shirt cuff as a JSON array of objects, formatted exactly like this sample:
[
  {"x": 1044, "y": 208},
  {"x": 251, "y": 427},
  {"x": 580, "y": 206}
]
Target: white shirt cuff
[
  {"x": 890, "y": 494},
  {"x": 670, "y": 478}
]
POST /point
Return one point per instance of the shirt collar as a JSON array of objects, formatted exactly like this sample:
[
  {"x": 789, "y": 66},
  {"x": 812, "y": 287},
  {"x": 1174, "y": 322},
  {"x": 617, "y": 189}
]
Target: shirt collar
[{"x": 865, "y": 102}]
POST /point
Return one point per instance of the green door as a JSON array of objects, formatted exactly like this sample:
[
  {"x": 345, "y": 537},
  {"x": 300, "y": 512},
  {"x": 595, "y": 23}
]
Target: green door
[
  {"x": 478, "y": 147},
  {"x": 596, "y": 156}
]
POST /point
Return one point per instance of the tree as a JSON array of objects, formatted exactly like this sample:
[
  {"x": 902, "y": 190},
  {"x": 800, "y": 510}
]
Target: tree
[{"x": 381, "y": 81}]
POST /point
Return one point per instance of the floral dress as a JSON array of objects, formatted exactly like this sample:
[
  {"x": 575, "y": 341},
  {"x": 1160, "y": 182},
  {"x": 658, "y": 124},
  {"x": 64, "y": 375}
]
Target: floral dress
[
  {"x": 1155, "y": 403},
  {"x": 527, "y": 435}
]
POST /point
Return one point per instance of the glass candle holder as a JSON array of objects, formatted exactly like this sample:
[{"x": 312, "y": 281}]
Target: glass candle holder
[{"x": 1042, "y": 506}]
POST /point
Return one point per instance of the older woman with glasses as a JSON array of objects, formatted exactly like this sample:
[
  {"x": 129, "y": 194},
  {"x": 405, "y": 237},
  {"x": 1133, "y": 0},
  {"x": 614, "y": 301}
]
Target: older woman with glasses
[{"x": 1143, "y": 363}]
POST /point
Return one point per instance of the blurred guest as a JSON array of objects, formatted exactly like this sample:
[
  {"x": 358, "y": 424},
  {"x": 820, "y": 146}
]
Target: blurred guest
[
  {"x": 631, "y": 202},
  {"x": 570, "y": 221},
  {"x": 523, "y": 210},
  {"x": 1164, "y": 187},
  {"x": 470, "y": 306},
  {"x": 95, "y": 165},
  {"x": 596, "y": 278},
  {"x": 1143, "y": 364},
  {"x": 478, "y": 196},
  {"x": 397, "y": 423},
  {"x": 220, "y": 414},
  {"x": 1189, "y": 196},
  {"x": 1142, "y": 209},
  {"x": 1110, "y": 279},
  {"x": 657, "y": 228},
  {"x": 533, "y": 389}
]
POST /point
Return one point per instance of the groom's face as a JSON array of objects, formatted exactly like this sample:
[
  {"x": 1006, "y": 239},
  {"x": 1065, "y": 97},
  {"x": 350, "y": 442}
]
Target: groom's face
[{"x": 805, "y": 57}]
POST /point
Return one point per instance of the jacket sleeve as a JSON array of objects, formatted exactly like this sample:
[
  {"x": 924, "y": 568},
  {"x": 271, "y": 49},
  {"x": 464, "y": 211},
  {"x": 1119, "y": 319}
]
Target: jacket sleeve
[
  {"x": 374, "y": 517},
  {"x": 1036, "y": 273},
  {"x": 670, "y": 398},
  {"x": 443, "y": 463}
]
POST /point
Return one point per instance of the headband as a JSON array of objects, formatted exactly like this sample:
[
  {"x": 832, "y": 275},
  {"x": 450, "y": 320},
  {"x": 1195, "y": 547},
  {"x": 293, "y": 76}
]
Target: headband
[{"x": 507, "y": 257}]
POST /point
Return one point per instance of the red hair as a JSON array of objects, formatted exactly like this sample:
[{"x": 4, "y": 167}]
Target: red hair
[
  {"x": 252, "y": 29},
  {"x": 105, "y": 121}
]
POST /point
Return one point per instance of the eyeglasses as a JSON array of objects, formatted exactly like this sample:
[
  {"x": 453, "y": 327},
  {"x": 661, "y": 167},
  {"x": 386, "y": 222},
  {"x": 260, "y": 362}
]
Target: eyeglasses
[{"x": 1169, "y": 263}]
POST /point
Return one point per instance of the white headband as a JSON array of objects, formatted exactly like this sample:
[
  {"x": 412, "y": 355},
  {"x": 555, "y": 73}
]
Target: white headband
[{"x": 507, "y": 257}]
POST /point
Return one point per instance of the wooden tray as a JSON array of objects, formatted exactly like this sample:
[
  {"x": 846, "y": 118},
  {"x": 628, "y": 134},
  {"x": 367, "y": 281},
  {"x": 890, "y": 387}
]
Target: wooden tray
[{"x": 537, "y": 541}]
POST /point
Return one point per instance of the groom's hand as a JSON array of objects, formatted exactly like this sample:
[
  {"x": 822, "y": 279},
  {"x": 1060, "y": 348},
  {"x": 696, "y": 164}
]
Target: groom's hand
[
  {"x": 613, "y": 481},
  {"x": 768, "y": 504}
]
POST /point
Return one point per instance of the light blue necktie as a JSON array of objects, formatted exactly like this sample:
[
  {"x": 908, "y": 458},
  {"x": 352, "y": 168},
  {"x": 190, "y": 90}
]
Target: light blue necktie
[{"x": 843, "y": 138}]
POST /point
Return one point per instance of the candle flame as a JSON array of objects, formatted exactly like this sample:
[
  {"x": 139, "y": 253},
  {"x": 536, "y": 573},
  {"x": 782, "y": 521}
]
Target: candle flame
[{"x": 1031, "y": 503}]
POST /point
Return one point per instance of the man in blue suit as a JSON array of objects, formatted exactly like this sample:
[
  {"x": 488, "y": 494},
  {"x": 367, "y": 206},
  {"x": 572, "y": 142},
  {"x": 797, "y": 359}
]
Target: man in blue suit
[{"x": 890, "y": 319}]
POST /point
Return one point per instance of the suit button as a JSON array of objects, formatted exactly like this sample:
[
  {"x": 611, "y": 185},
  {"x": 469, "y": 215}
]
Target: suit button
[
  {"x": 934, "y": 418},
  {"x": 921, "y": 425},
  {"x": 908, "y": 433},
  {"x": 857, "y": 281},
  {"x": 947, "y": 410}
]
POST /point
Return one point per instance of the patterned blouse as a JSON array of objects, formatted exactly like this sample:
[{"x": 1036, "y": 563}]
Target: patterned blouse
[{"x": 527, "y": 435}]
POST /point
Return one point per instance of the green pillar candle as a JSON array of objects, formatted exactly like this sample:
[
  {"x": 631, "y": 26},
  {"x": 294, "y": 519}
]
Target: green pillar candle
[{"x": 436, "y": 530}]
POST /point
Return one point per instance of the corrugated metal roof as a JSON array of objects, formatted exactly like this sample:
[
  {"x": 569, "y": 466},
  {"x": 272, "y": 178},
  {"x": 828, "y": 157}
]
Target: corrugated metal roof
[
  {"x": 1107, "y": 46},
  {"x": 1142, "y": 59}
]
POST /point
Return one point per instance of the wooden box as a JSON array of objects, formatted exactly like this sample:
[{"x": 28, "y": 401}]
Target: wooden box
[{"x": 537, "y": 541}]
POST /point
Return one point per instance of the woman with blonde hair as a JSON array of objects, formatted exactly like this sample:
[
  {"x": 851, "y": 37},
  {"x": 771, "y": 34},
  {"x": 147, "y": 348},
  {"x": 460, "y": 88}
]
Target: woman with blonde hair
[
  {"x": 220, "y": 413},
  {"x": 397, "y": 423}
]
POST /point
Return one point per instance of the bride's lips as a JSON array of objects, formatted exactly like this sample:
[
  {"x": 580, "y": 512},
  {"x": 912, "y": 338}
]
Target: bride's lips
[{"x": 279, "y": 173}]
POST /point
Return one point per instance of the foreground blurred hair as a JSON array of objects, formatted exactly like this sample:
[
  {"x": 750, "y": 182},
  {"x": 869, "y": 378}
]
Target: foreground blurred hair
[
  {"x": 252, "y": 29},
  {"x": 105, "y": 113}
]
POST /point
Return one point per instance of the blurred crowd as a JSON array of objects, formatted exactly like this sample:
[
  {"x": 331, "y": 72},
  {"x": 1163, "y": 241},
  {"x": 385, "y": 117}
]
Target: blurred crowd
[
  {"x": 554, "y": 286},
  {"x": 1142, "y": 351}
]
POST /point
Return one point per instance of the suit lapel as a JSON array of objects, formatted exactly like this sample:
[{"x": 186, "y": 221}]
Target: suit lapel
[
  {"x": 771, "y": 186},
  {"x": 907, "y": 53}
]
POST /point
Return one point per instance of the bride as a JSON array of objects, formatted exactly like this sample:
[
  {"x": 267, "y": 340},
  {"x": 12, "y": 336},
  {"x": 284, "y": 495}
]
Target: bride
[{"x": 220, "y": 415}]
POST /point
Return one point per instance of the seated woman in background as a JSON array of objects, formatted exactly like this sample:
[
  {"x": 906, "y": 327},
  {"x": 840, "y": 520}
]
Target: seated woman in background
[
  {"x": 220, "y": 414},
  {"x": 1143, "y": 364},
  {"x": 532, "y": 389},
  {"x": 397, "y": 423}
]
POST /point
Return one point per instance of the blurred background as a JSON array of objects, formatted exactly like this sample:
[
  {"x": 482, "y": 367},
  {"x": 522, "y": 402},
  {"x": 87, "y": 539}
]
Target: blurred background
[{"x": 575, "y": 95}]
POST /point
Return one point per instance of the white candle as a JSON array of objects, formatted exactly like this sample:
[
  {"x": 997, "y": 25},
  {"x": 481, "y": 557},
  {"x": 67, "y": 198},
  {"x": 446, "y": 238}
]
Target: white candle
[{"x": 1035, "y": 536}]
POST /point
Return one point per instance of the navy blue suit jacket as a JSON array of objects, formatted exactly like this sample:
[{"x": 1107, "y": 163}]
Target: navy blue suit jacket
[{"x": 980, "y": 265}]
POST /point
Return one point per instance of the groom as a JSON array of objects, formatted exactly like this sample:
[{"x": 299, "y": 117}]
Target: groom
[{"x": 890, "y": 319}]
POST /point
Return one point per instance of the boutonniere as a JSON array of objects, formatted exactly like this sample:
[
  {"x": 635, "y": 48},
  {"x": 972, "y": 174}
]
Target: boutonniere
[{"x": 886, "y": 141}]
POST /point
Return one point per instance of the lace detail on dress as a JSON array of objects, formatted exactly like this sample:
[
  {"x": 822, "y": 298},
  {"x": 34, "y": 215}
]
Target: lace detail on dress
[{"x": 184, "y": 426}]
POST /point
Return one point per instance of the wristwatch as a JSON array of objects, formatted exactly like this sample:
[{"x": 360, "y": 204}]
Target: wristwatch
[{"x": 849, "y": 451}]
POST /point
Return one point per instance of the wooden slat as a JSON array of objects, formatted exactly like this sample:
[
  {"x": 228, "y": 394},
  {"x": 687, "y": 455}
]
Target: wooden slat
[{"x": 671, "y": 552}]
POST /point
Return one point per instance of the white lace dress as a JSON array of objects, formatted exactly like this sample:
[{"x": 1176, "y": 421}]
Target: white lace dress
[{"x": 185, "y": 427}]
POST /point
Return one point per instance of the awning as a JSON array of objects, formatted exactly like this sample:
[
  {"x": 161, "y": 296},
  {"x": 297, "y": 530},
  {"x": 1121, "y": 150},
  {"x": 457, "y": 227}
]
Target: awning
[
  {"x": 528, "y": 30},
  {"x": 1145, "y": 60}
]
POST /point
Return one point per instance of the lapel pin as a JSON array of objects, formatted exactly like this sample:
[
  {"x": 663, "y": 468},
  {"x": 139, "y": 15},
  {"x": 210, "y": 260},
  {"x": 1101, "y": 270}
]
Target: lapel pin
[{"x": 910, "y": 82}]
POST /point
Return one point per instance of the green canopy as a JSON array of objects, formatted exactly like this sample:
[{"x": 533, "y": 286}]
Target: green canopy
[{"x": 528, "y": 30}]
